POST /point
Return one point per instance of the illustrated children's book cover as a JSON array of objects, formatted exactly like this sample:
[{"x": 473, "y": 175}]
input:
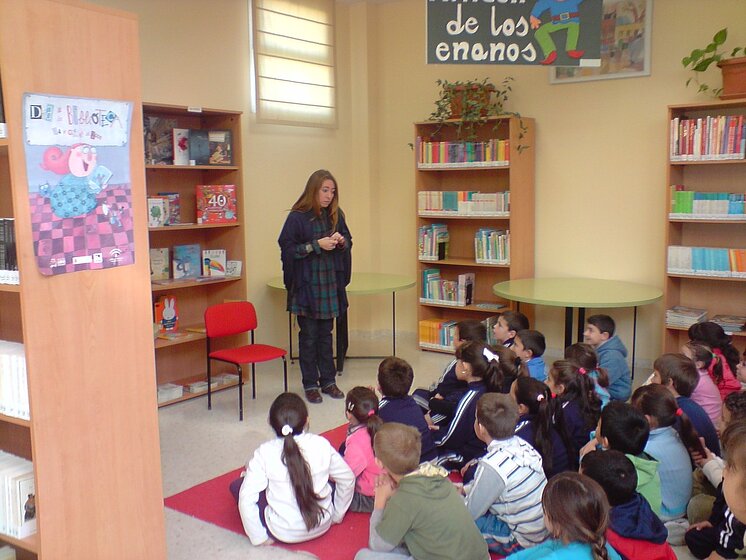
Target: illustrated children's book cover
[
  {"x": 160, "y": 265},
  {"x": 199, "y": 147},
  {"x": 78, "y": 169},
  {"x": 174, "y": 207},
  {"x": 233, "y": 268},
  {"x": 213, "y": 262},
  {"x": 157, "y": 211},
  {"x": 216, "y": 204},
  {"x": 221, "y": 148},
  {"x": 181, "y": 146},
  {"x": 166, "y": 314},
  {"x": 187, "y": 261},
  {"x": 158, "y": 137}
]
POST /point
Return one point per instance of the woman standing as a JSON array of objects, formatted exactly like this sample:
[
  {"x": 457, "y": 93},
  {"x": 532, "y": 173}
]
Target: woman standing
[{"x": 315, "y": 249}]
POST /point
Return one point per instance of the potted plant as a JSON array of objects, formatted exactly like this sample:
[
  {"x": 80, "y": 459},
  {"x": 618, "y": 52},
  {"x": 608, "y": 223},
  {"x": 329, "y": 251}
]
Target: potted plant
[
  {"x": 733, "y": 67},
  {"x": 465, "y": 104}
]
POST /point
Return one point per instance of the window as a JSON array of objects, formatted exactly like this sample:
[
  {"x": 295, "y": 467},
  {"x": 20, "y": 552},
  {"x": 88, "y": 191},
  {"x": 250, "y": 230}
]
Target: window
[{"x": 294, "y": 62}]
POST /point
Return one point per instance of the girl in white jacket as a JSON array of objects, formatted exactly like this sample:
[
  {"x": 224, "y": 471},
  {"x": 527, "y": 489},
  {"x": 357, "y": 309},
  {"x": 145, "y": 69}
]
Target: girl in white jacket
[{"x": 285, "y": 493}]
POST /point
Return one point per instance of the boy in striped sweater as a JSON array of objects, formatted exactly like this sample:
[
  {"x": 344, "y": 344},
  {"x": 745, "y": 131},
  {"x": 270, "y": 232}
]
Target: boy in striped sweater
[{"x": 505, "y": 497}]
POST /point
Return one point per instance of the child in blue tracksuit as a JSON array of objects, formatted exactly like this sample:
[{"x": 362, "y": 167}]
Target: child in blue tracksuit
[
  {"x": 576, "y": 512},
  {"x": 612, "y": 354},
  {"x": 530, "y": 346}
]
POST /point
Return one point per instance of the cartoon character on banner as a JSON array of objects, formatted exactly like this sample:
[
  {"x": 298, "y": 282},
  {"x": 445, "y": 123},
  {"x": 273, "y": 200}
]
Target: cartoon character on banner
[
  {"x": 82, "y": 179},
  {"x": 565, "y": 15}
]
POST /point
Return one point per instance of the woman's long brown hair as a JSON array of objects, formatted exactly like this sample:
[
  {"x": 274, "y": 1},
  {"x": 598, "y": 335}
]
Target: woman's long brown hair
[{"x": 309, "y": 200}]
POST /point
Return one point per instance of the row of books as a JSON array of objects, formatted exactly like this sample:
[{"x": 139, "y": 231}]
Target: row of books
[
  {"x": 18, "y": 500},
  {"x": 463, "y": 203},
  {"x": 190, "y": 261},
  {"x": 13, "y": 382},
  {"x": 432, "y": 242},
  {"x": 706, "y": 204},
  {"x": 457, "y": 292},
  {"x": 707, "y": 261},
  {"x": 441, "y": 334},
  {"x": 172, "y": 391},
  {"x": 682, "y": 316},
  {"x": 167, "y": 144},
  {"x": 717, "y": 137},
  {"x": 8, "y": 258},
  {"x": 215, "y": 204},
  {"x": 492, "y": 246},
  {"x": 493, "y": 152}
]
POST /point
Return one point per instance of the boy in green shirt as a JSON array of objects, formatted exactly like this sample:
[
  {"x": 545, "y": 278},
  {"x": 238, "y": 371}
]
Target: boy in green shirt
[{"x": 417, "y": 512}]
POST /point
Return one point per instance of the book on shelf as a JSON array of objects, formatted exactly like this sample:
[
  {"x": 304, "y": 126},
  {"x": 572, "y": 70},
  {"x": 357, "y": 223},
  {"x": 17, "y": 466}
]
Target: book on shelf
[
  {"x": 169, "y": 392},
  {"x": 492, "y": 246},
  {"x": 7, "y": 552},
  {"x": 715, "y": 205},
  {"x": 730, "y": 323},
  {"x": 174, "y": 207},
  {"x": 463, "y": 203},
  {"x": 707, "y": 261},
  {"x": 172, "y": 335},
  {"x": 8, "y": 259},
  {"x": 166, "y": 314},
  {"x": 18, "y": 506},
  {"x": 158, "y": 140},
  {"x": 160, "y": 264},
  {"x": 213, "y": 262},
  {"x": 196, "y": 329},
  {"x": 157, "y": 211},
  {"x": 682, "y": 316},
  {"x": 225, "y": 378},
  {"x": 187, "y": 261},
  {"x": 466, "y": 288},
  {"x": 233, "y": 268},
  {"x": 181, "y": 146},
  {"x": 14, "y": 399},
  {"x": 201, "y": 386},
  {"x": 457, "y": 292},
  {"x": 199, "y": 147},
  {"x": 432, "y": 242},
  {"x": 221, "y": 147},
  {"x": 216, "y": 204},
  {"x": 463, "y": 153},
  {"x": 710, "y": 138}
]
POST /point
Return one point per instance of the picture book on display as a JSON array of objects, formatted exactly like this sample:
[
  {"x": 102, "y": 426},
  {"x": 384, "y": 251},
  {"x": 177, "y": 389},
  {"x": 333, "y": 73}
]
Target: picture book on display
[
  {"x": 214, "y": 262},
  {"x": 157, "y": 211},
  {"x": 166, "y": 313},
  {"x": 221, "y": 148},
  {"x": 174, "y": 207},
  {"x": 160, "y": 264},
  {"x": 216, "y": 204},
  {"x": 233, "y": 268},
  {"x": 158, "y": 137},
  {"x": 199, "y": 147},
  {"x": 187, "y": 261},
  {"x": 18, "y": 503},
  {"x": 181, "y": 146}
]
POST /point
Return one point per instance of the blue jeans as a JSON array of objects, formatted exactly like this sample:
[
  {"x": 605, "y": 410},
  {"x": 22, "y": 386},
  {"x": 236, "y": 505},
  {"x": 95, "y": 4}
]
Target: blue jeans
[{"x": 315, "y": 353}]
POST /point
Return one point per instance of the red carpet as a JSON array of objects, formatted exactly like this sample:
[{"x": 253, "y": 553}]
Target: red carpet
[{"x": 211, "y": 501}]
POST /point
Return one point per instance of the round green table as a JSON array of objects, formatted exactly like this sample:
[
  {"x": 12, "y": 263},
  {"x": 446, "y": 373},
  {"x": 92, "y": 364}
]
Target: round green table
[
  {"x": 362, "y": 284},
  {"x": 580, "y": 293}
]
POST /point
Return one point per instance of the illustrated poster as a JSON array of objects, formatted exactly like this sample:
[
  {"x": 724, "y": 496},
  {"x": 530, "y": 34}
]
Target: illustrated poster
[{"x": 78, "y": 166}]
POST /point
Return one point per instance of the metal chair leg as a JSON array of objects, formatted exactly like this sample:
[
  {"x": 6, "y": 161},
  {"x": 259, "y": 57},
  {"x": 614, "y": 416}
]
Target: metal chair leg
[
  {"x": 285, "y": 372},
  {"x": 209, "y": 391},
  {"x": 240, "y": 394},
  {"x": 253, "y": 381}
]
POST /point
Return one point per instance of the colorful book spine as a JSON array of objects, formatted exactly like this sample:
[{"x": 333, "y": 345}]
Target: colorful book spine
[
  {"x": 707, "y": 261},
  {"x": 710, "y": 138},
  {"x": 493, "y": 152}
]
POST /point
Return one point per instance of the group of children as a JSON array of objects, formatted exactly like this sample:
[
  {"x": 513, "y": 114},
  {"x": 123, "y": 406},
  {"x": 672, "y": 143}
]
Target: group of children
[{"x": 543, "y": 462}]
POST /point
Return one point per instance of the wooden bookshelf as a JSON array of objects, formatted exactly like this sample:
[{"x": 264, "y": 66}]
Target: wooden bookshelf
[
  {"x": 718, "y": 294},
  {"x": 515, "y": 176},
  {"x": 183, "y": 360},
  {"x": 93, "y": 428}
]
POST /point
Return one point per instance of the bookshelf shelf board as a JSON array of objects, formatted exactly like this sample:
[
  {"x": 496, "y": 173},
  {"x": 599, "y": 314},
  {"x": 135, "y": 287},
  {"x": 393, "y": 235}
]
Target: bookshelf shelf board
[
  {"x": 436, "y": 348},
  {"x": 455, "y": 261},
  {"x": 471, "y": 165},
  {"x": 179, "y": 110},
  {"x": 182, "y": 227},
  {"x": 188, "y": 396},
  {"x": 30, "y": 543},
  {"x": 193, "y": 167},
  {"x": 694, "y": 218},
  {"x": 731, "y": 333},
  {"x": 472, "y": 307},
  {"x": 10, "y": 288},
  {"x": 705, "y": 277},
  {"x": 188, "y": 337},
  {"x": 709, "y": 162},
  {"x": 457, "y": 216},
  {"x": 190, "y": 283},
  {"x": 13, "y": 420}
]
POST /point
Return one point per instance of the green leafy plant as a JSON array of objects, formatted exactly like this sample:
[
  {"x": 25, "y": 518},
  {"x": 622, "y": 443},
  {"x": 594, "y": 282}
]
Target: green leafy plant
[{"x": 701, "y": 59}]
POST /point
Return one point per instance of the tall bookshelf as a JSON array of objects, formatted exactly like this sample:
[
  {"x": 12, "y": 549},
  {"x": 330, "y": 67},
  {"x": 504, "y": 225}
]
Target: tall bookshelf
[
  {"x": 93, "y": 428},
  {"x": 514, "y": 175},
  {"x": 182, "y": 361},
  {"x": 719, "y": 292}
]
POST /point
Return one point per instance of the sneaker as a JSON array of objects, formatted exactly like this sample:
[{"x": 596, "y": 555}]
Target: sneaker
[
  {"x": 313, "y": 396},
  {"x": 333, "y": 391}
]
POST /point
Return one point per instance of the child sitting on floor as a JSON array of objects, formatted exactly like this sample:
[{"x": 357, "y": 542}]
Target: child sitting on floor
[
  {"x": 530, "y": 346},
  {"x": 285, "y": 493},
  {"x": 584, "y": 357},
  {"x": 634, "y": 529},
  {"x": 417, "y": 513},
  {"x": 395, "y": 378},
  {"x": 723, "y": 366},
  {"x": 577, "y": 514},
  {"x": 612, "y": 354},
  {"x": 505, "y": 497},
  {"x": 507, "y": 326},
  {"x": 361, "y": 411},
  {"x": 706, "y": 394}
]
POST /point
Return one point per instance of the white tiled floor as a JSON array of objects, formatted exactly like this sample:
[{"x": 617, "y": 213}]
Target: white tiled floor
[{"x": 197, "y": 444}]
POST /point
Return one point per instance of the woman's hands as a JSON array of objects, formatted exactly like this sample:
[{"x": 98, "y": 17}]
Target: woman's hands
[{"x": 332, "y": 242}]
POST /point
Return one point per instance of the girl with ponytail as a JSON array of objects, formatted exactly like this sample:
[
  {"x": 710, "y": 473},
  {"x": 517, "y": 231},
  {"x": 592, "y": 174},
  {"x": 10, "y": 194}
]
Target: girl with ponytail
[
  {"x": 722, "y": 367},
  {"x": 584, "y": 357},
  {"x": 536, "y": 427},
  {"x": 576, "y": 514},
  {"x": 361, "y": 411},
  {"x": 285, "y": 493},
  {"x": 671, "y": 434}
]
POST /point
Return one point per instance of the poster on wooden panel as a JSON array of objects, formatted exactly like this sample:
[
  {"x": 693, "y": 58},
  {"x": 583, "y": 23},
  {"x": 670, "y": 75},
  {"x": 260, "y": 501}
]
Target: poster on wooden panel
[
  {"x": 514, "y": 32},
  {"x": 78, "y": 166}
]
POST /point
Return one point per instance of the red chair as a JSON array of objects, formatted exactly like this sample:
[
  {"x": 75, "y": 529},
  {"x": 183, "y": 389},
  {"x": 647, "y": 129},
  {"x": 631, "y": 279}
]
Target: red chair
[{"x": 236, "y": 317}]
